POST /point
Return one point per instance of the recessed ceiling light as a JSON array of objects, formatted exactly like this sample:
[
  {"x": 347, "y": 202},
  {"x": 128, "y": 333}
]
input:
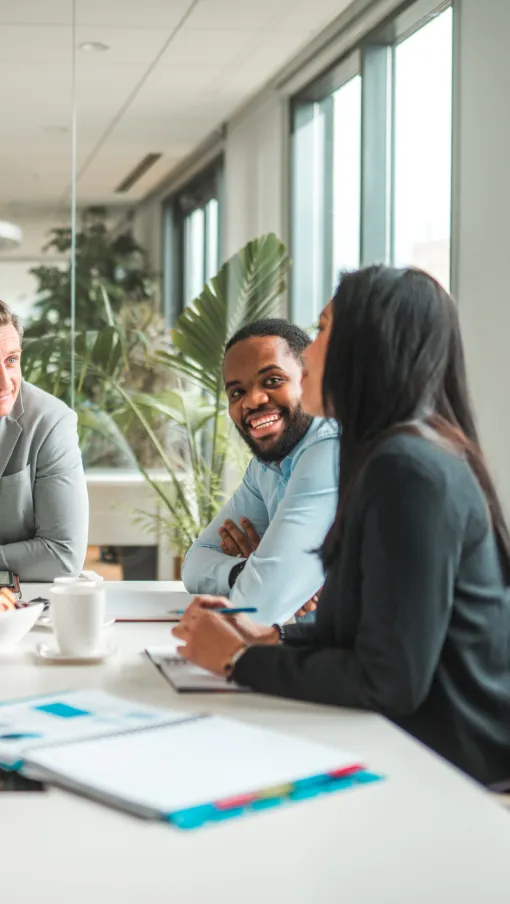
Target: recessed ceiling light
[
  {"x": 93, "y": 46},
  {"x": 10, "y": 236}
]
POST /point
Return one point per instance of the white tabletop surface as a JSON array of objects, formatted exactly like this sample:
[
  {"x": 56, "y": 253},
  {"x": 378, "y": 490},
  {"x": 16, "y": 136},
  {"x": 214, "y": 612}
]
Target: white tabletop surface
[{"x": 426, "y": 835}]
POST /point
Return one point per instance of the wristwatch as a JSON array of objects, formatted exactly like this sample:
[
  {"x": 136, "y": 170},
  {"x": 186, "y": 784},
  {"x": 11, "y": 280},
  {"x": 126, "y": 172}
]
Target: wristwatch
[
  {"x": 235, "y": 572},
  {"x": 281, "y": 631}
]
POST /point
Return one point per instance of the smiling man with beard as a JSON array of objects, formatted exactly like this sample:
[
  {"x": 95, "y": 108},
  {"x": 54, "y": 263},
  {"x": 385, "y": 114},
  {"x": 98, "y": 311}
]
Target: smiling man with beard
[{"x": 260, "y": 549}]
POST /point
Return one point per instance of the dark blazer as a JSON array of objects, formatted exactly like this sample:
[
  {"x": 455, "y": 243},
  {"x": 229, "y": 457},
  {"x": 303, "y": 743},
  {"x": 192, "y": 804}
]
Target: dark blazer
[{"x": 414, "y": 619}]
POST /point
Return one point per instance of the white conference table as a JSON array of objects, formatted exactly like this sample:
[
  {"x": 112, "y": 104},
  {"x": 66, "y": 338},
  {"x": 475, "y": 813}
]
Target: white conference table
[{"x": 426, "y": 834}]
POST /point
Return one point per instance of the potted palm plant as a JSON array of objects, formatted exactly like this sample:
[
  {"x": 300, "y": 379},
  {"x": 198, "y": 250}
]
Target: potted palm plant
[{"x": 185, "y": 424}]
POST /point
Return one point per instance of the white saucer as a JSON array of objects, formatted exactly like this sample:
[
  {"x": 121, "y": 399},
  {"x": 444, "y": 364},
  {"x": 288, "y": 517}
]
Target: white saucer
[
  {"x": 52, "y": 654},
  {"x": 45, "y": 622}
]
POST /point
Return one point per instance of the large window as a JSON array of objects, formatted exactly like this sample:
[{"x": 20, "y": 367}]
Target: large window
[
  {"x": 346, "y": 215},
  {"x": 326, "y": 172},
  {"x": 423, "y": 137},
  {"x": 192, "y": 240},
  {"x": 371, "y": 158}
]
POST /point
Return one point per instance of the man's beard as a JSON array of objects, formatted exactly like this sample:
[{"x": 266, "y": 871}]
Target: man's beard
[{"x": 296, "y": 425}]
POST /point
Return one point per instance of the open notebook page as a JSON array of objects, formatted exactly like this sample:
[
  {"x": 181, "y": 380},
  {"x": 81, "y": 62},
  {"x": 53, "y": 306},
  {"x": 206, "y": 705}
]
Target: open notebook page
[
  {"x": 170, "y": 768},
  {"x": 186, "y": 677}
]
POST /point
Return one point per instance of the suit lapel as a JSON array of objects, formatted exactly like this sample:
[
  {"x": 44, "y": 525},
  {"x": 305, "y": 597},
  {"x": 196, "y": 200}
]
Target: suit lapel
[{"x": 10, "y": 431}]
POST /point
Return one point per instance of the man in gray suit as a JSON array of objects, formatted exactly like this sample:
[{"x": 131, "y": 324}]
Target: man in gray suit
[{"x": 43, "y": 494}]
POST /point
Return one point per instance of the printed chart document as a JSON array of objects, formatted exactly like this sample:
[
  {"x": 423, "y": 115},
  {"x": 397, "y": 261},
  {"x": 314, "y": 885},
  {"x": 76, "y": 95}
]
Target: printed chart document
[
  {"x": 187, "y": 678},
  {"x": 28, "y": 725},
  {"x": 187, "y": 769}
]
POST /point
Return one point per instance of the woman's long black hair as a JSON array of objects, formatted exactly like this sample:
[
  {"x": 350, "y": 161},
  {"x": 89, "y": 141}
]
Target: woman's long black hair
[{"x": 395, "y": 361}]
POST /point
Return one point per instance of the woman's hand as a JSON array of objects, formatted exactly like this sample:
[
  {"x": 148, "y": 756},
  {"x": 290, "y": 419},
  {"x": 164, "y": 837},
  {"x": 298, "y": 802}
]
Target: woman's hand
[
  {"x": 210, "y": 640},
  {"x": 248, "y": 629}
]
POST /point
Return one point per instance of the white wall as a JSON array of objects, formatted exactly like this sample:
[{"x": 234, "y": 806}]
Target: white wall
[
  {"x": 147, "y": 230},
  {"x": 17, "y": 285},
  {"x": 482, "y": 193},
  {"x": 255, "y": 189},
  {"x": 255, "y": 173},
  {"x": 255, "y": 181}
]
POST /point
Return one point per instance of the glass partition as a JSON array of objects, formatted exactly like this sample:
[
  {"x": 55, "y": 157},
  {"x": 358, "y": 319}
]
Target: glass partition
[
  {"x": 89, "y": 296},
  {"x": 134, "y": 423},
  {"x": 35, "y": 179}
]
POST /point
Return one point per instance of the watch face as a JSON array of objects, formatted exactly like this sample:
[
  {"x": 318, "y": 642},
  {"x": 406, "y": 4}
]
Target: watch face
[{"x": 5, "y": 579}]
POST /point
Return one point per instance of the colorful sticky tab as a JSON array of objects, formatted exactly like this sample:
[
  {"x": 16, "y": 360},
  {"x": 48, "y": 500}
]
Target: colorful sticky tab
[
  {"x": 339, "y": 784},
  {"x": 278, "y": 791},
  {"x": 193, "y": 817},
  {"x": 265, "y": 799},
  {"x": 346, "y": 770},
  {"x": 231, "y": 803},
  {"x": 265, "y": 803},
  {"x": 365, "y": 778}
]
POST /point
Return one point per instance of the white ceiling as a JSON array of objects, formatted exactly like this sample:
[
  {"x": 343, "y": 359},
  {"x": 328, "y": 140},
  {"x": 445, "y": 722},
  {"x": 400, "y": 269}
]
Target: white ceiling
[{"x": 176, "y": 70}]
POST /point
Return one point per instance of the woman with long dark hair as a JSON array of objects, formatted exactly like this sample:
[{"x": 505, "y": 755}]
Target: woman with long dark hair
[{"x": 414, "y": 618}]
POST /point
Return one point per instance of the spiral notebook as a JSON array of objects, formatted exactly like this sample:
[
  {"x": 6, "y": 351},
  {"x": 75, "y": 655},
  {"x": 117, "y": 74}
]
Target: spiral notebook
[
  {"x": 203, "y": 769},
  {"x": 182, "y": 768},
  {"x": 188, "y": 678}
]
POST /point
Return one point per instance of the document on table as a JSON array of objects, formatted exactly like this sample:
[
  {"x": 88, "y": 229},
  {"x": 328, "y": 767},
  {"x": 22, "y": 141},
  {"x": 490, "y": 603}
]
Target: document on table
[
  {"x": 145, "y": 604},
  {"x": 187, "y": 678},
  {"x": 68, "y": 717},
  {"x": 205, "y": 767}
]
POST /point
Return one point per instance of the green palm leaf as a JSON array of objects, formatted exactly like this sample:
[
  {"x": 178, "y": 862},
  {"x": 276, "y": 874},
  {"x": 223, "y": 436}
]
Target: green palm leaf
[{"x": 248, "y": 287}]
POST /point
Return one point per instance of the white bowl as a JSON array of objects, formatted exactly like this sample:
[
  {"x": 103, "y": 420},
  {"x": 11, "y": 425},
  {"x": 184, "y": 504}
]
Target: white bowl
[{"x": 15, "y": 623}]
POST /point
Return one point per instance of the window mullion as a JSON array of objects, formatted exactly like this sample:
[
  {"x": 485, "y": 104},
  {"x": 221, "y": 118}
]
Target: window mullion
[
  {"x": 327, "y": 110},
  {"x": 376, "y": 154}
]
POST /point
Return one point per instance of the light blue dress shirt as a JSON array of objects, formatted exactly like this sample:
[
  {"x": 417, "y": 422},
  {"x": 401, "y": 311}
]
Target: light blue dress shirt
[{"x": 291, "y": 506}]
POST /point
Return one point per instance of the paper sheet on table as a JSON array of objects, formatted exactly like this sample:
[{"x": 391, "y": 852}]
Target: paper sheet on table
[
  {"x": 187, "y": 678},
  {"x": 69, "y": 716},
  {"x": 145, "y": 604},
  {"x": 170, "y": 768}
]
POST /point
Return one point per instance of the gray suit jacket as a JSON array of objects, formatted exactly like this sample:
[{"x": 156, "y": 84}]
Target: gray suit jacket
[{"x": 43, "y": 494}]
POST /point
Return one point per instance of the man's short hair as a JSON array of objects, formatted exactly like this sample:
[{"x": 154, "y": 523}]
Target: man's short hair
[
  {"x": 7, "y": 318},
  {"x": 296, "y": 338}
]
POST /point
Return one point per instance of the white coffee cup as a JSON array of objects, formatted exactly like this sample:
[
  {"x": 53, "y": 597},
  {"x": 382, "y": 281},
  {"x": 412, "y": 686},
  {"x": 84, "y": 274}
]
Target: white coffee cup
[
  {"x": 77, "y": 616},
  {"x": 74, "y": 578}
]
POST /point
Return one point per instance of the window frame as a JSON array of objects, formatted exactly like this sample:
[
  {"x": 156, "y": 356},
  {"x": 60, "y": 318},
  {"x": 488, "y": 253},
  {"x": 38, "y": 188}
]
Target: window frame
[
  {"x": 378, "y": 48},
  {"x": 317, "y": 99},
  {"x": 193, "y": 195},
  {"x": 373, "y": 57}
]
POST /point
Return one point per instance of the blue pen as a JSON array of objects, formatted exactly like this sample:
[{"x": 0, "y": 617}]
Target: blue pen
[{"x": 226, "y": 611}]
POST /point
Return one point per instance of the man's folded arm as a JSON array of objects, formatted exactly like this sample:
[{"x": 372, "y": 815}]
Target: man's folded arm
[
  {"x": 207, "y": 568},
  {"x": 286, "y": 571}
]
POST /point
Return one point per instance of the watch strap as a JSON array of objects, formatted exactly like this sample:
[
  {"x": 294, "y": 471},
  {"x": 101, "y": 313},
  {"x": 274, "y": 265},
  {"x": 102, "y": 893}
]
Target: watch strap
[{"x": 235, "y": 572}]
